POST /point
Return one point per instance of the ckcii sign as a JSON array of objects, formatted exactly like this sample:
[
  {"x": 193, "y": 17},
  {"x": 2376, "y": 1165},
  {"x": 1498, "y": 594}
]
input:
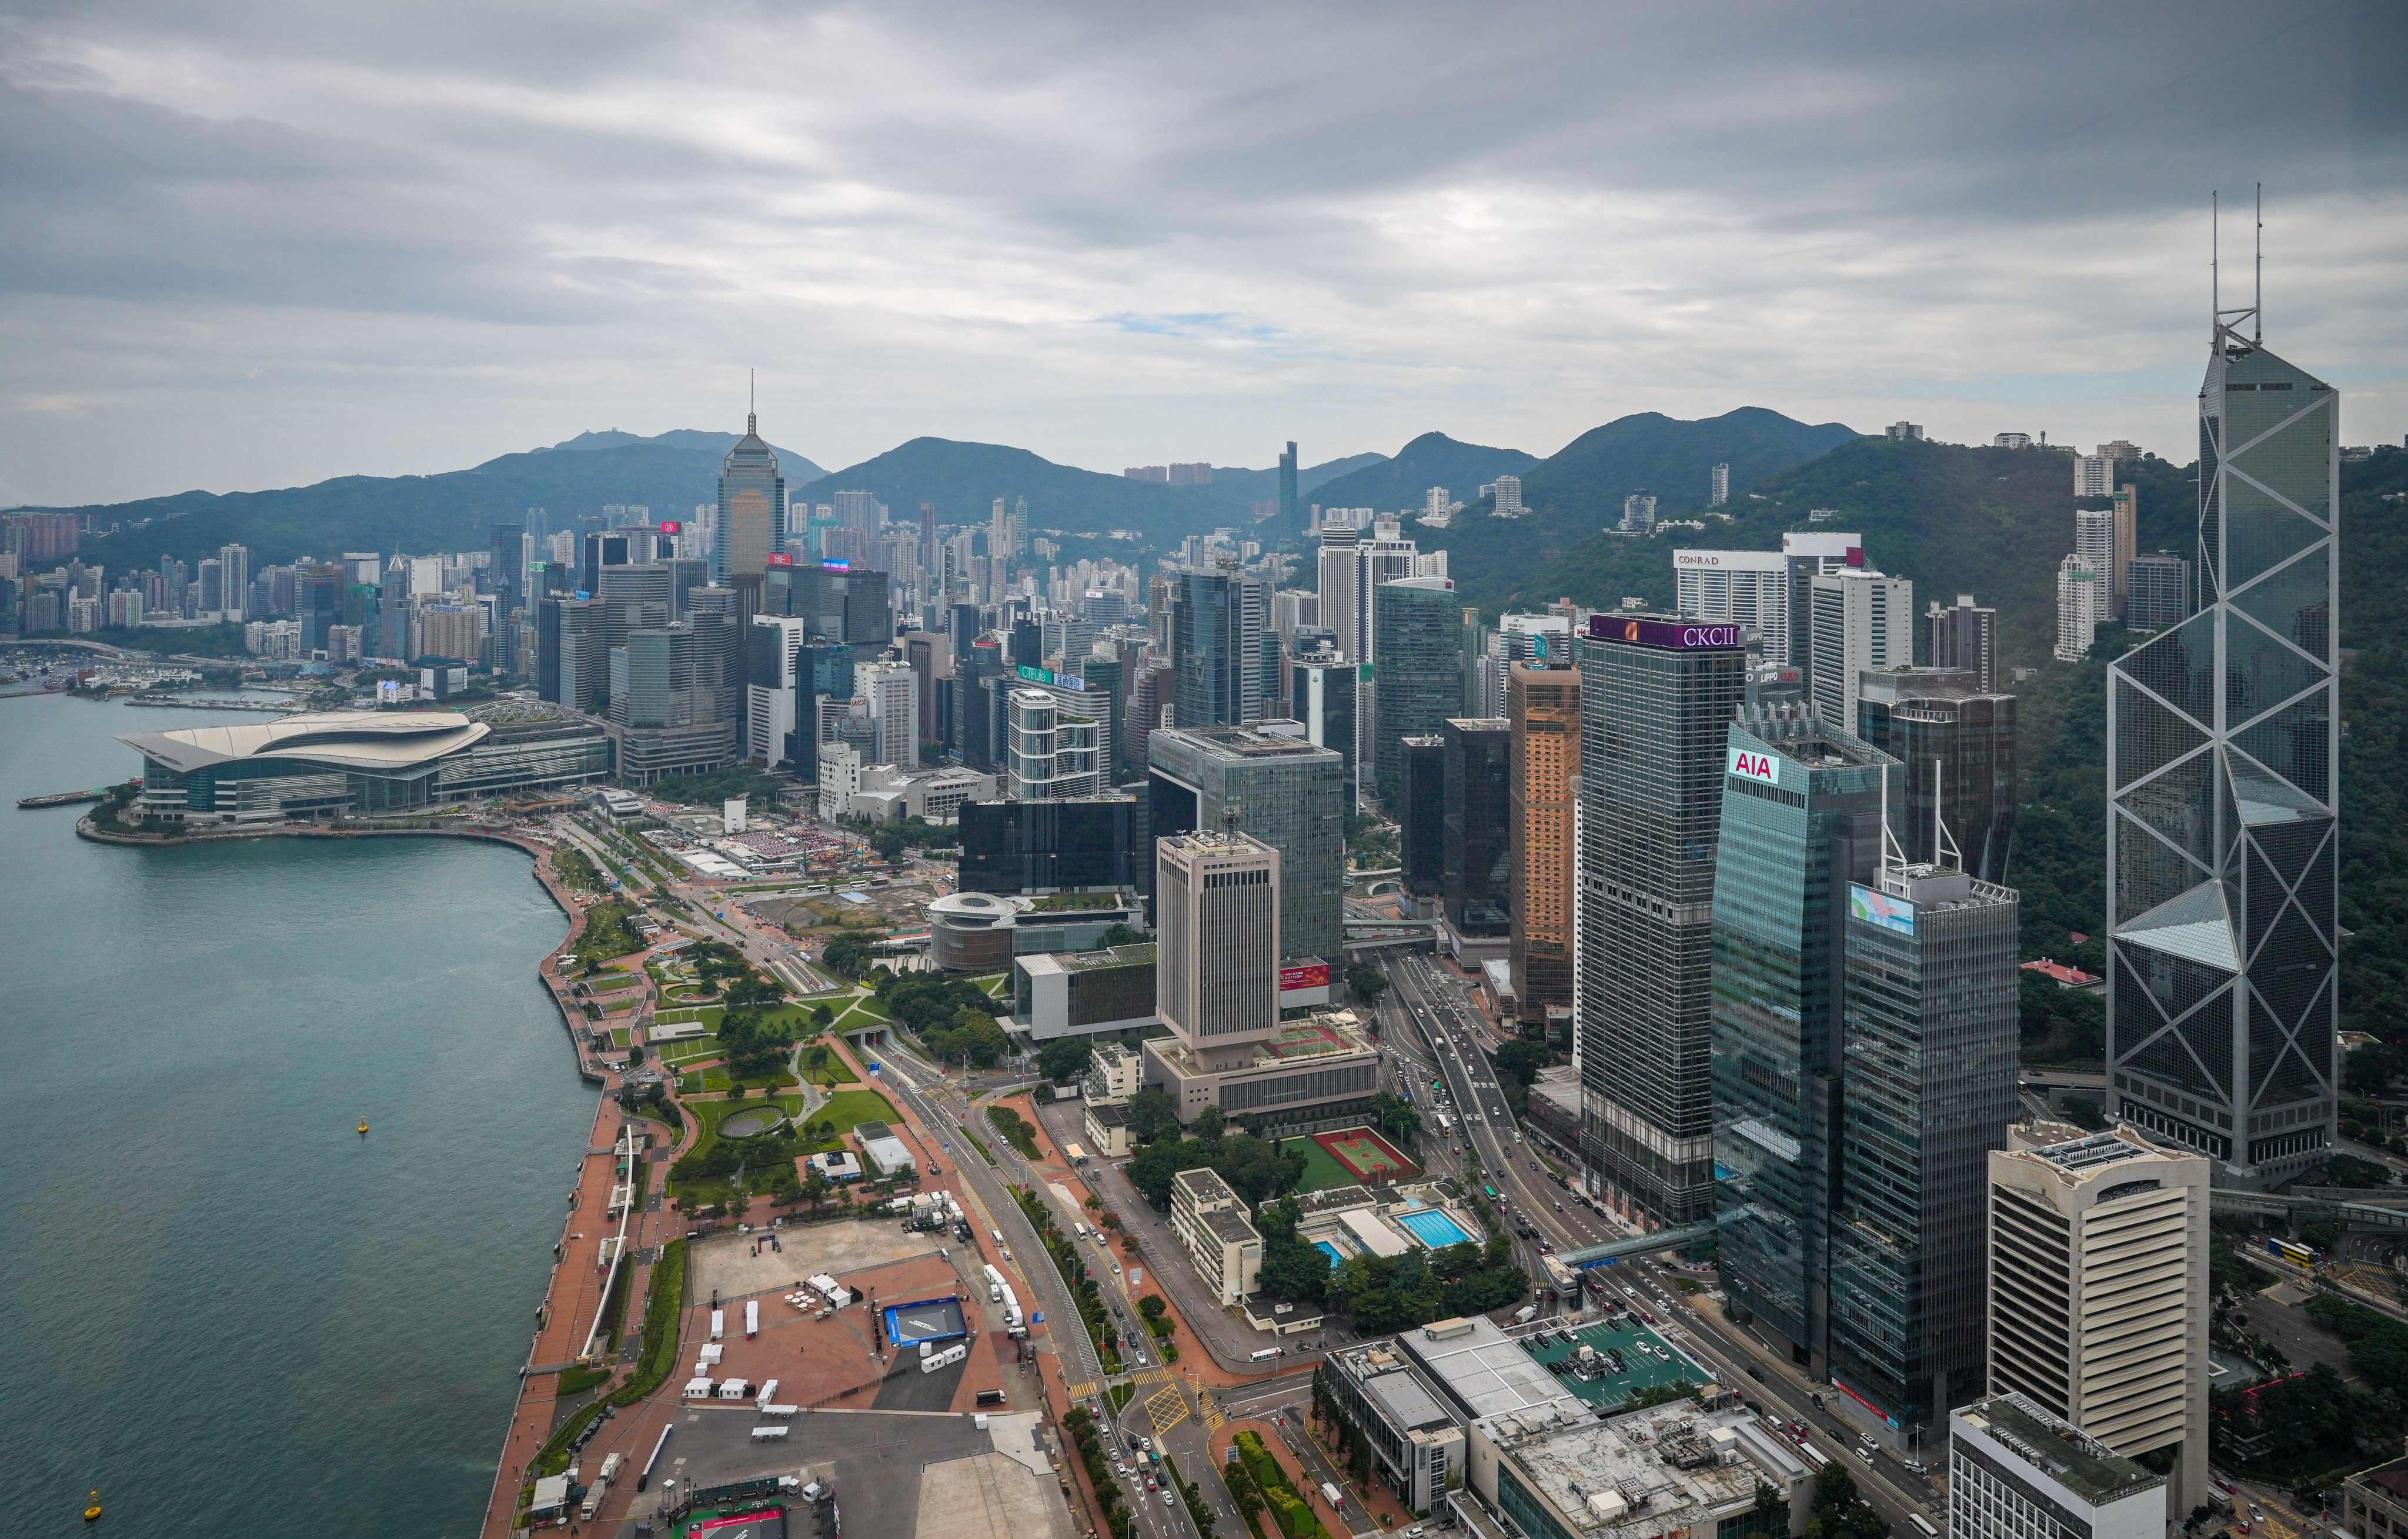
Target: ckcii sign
[{"x": 1674, "y": 635}]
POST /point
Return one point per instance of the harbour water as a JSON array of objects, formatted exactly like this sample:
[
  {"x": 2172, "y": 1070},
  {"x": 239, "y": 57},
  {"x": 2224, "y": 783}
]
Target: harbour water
[{"x": 219, "y": 1304}]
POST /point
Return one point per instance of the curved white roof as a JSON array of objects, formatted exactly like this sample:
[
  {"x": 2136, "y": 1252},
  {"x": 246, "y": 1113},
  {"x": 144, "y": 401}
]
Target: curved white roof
[{"x": 344, "y": 739}]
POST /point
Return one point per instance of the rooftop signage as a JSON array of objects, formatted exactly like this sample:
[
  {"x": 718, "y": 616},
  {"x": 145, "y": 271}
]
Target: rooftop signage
[
  {"x": 1880, "y": 908},
  {"x": 779, "y": 558},
  {"x": 1047, "y": 676},
  {"x": 1672, "y": 635}
]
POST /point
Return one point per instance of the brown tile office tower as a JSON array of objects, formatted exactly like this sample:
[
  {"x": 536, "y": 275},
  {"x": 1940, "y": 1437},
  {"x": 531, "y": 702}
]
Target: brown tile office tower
[{"x": 1544, "y": 706}]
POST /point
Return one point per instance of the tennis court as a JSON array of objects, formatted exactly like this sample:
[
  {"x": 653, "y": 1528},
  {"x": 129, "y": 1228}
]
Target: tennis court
[{"x": 1365, "y": 1155}]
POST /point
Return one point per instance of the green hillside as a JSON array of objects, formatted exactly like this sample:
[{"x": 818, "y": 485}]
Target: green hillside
[
  {"x": 1559, "y": 549},
  {"x": 1432, "y": 460},
  {"x": 2059, "y": 863},
  {"x": 451, "y": 511},
  {"x": 963, "y": 480}
]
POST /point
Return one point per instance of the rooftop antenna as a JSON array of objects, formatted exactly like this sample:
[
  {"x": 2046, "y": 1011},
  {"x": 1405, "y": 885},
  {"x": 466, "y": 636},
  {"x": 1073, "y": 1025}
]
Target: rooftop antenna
[
  {"x": 2258, "y": 297},
  {"x": 1889, "y": 848},
  {"x": 1942, "y": 843},
  {"x": 751, "y": 402},
  {"x": 2215, "y": 254}
]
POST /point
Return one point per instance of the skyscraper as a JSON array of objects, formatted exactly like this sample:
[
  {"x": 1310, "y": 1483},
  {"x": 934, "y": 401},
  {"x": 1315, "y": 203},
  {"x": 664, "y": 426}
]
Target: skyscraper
[
  {"x": 2081, "y": 595},
  {"x": 2223, "y": 757},
  {"x": 1340, "y": 572},
  {"x": 1800, "y": 821},
  {"x": 1284, "y": 792},
  {"x": 1421, "y": 821},
  {"x": 751, "y": 517},
  {"x": 2098, "y": 1302},
  {"x": 1216, "y": 922},
  {"x": 1657, "y": 699},
  {"x": 1861, "y": 620},
  {"x": 1958, "y": 744},
  {"x": 1475, "y": 826},
  {"x": 1813, "y": 554},
  {"x": 1218, "y": 622},
  {"x": 1964, "y": 637},
  {"x": 1320, "y": 695},
  {"x": 2125, "y": 517},
  {"x": 1417, "y": 666},
  {"x": 1931, "y": 1009},
  {"x": 1544, "y": 708},
  {"x": 2160, "y": 598},
  {"x": 1747, "y": 588},
  {"x": 2094, "y": 541},
  {"x": 1719, "y": 487},
  {"x": 1291, "y": 510},
  {"x": 1052, "y": 751}
]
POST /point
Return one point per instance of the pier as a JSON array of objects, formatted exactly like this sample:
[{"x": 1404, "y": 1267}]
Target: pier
[{"x": 58, "y": 798}]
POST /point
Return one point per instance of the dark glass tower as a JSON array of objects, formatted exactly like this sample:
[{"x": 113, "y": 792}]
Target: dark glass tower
[
  {"x": 1422, "y": 822},
  {"x": 2222, "y": 760},
  {"x": 1417, "y": 677},
  {"x": 1958, "y": 742},
  {"x": 1476, "y": 833},
  {"x": 1291, "y": 509},
  {"x": 1219, "y": 620},
  {"x": 1657, "y": 699},
  {"x": 1801, "y": 819},
  {"x": 1930, "y": 1015}
]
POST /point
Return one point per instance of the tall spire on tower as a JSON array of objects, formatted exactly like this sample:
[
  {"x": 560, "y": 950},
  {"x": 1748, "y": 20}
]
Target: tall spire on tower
[{"x": 752, "y": 392}]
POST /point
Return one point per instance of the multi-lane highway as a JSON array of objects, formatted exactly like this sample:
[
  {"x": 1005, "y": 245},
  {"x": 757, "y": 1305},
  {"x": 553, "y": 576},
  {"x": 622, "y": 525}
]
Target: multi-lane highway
[
  {"x": 1161, "y": 1407},
  {"x": 1440, "y": 1033}
]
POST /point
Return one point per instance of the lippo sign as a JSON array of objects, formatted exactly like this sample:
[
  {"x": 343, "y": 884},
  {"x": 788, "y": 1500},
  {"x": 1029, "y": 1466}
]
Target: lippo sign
[{"x": 1676, "y": 635}]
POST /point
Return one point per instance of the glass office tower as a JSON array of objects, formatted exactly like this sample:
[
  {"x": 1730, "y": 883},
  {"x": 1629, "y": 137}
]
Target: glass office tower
[
  {"x": 1801, "y": 820},
  {"x": 1930, "y": 1017},
  {"x": 1417, "y": 679},
  {"x": 2223, "y": 755},
  {"x": 1656, "y": 697},
  {"x": 1475, "y": 826}
]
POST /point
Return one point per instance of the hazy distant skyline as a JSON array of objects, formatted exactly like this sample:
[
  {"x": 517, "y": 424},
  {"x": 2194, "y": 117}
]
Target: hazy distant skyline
[{"x": 261, "y": 243}]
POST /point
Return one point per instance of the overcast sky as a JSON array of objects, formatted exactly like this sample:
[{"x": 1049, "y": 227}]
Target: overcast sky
[{"x": 253, "y": 243}]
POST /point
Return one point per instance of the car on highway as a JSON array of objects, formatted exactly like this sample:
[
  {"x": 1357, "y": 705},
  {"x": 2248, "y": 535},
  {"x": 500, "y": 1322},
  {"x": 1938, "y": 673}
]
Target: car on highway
[{"x": 1166, "y": 1499}]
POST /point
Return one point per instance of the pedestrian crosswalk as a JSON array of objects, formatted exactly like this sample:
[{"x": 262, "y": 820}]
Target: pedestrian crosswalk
[{"x": 1084, "y": 1389}]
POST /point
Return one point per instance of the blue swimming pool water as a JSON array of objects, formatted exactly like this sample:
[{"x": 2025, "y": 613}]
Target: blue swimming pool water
[
  {"x": 1433, "y": 1227},
  {"x": 1328, "y": 1249}
]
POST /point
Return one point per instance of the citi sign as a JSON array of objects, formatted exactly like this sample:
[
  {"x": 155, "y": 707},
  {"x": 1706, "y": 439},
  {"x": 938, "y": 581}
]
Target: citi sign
[{"x": 1755, "y": 766}]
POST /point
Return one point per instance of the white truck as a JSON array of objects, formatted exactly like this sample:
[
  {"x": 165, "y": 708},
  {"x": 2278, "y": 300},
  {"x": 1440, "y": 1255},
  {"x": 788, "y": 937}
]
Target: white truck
[
  {"x": 1336, "y": 1497},
  {"x": 718, "y": 1325},
  {"x": 994, "y": 1285}
]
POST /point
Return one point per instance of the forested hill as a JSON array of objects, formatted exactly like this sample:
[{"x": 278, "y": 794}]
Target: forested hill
[
  {"x": 2061, "y": 837},
  {"x": 1989, "y": 522},
  {"x": 452, "y": 510},
  {"x": 1558, "y": 551}
]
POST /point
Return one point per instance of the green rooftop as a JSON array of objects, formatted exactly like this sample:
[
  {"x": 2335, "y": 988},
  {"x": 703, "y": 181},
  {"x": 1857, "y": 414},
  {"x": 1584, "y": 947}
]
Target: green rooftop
[{"x": 2066, "y": 1454}]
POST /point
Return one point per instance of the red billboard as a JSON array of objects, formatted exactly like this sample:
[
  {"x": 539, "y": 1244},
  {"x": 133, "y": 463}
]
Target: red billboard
[
  {"x": 1316, "y": 976},
  {"x": 779, "y": 559}
]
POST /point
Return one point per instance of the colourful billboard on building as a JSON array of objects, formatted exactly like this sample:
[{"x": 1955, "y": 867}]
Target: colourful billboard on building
[{"x": 1881, "y": 908}]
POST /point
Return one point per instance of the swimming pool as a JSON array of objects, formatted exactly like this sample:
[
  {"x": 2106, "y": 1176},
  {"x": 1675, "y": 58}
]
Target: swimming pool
[
  {"x": 1329, "y": 1250},
  {"x": 1432, "y": 1228}
]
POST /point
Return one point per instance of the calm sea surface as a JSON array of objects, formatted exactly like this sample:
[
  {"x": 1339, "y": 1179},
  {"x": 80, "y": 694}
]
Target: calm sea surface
[{"x": 218, "y": 1303}]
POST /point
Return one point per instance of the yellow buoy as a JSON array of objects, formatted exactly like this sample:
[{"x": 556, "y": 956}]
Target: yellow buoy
[
  {"x": 92, "y": 1514},
  {"x": 364, "y": 1127}
]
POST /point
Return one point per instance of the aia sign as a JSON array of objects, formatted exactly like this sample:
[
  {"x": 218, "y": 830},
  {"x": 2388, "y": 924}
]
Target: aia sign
[{"x": 1751, "y": 764}]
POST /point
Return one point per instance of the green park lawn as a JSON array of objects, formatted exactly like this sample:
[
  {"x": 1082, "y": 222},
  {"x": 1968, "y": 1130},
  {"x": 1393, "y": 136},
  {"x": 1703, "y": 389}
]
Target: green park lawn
[{"x": 690, "y": 1050}]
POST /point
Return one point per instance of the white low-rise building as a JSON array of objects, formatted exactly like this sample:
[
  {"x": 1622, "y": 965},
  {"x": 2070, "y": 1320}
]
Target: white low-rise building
[{"x": 2015, "y": 1471}]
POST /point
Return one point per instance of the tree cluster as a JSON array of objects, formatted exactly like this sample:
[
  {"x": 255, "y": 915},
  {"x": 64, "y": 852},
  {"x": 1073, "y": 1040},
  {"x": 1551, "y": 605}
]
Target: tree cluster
[
  {"x": 2311, "y": 1421},
  {"x": 1256, "y": 1169}
]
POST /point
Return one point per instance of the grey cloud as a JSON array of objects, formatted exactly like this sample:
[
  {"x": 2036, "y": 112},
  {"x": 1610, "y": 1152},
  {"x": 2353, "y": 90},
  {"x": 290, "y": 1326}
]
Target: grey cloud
[{"x": 1071, "y": 224}]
